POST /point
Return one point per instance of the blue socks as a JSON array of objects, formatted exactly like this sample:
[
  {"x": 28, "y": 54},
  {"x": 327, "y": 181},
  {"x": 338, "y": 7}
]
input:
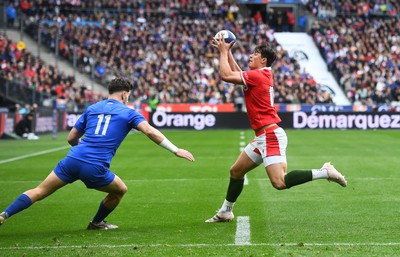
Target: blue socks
[
  {"x": 20, "y": 204},
  {"x": 102, "y": 213},
  {"x": 23, "y": 202}
]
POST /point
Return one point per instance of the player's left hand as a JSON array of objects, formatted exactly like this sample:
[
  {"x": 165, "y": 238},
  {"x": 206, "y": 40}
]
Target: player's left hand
[{"x": 185, "y": 154}]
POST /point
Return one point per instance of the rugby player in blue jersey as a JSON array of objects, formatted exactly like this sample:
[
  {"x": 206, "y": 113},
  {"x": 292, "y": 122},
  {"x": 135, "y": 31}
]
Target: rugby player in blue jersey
[{"x": 94, "y": 139}]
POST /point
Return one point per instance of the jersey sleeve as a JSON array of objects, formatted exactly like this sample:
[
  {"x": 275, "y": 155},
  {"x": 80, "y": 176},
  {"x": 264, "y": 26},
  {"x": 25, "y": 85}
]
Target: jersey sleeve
[
  {"x": 80, "y": 124},
  {"x": 135, "y": 118},
  {"x": 250, "y": 77}
]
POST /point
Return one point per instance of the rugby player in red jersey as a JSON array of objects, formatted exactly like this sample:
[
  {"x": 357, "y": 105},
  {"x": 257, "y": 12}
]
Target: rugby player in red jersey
[{"x": 270, "y": 142}]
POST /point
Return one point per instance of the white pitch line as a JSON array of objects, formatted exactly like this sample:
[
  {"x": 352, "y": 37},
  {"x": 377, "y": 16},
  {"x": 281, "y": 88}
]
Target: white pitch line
[
  {"x": 246, "y": 181},
  {"x": 242, "y": 236},
  {"x": 34, "y": 154},
  {"x": 343, "y": 244}
]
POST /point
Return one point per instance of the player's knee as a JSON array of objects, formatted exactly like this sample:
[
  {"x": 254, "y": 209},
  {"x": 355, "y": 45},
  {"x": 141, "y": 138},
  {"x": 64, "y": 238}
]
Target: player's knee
[
  {"x": 232, "y": 172},
  {"x": 121, "y": 191},
  {"x": 235, "y": 173},
  {"x": 279, "y": 184},
  {"x": 124, "y": 189}
]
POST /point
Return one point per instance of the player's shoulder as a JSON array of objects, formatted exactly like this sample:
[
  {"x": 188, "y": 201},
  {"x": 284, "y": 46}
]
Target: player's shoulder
[
  {"x": 265, "y": 72},
  {"x": 96, "y": 106},
  {"x": 123, "y": 109},
  {"x": 254, "y": 73},
  {"x": 110, "y": 106}
]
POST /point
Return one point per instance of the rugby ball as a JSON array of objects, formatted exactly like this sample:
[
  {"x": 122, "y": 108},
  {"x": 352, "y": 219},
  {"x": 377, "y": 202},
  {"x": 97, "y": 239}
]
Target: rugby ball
[{"x": 227, "y": 35}]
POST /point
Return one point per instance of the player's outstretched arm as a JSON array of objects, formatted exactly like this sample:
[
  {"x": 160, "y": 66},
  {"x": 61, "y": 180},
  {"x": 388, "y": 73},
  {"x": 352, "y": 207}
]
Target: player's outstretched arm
[{"x": 157, "y": 137}]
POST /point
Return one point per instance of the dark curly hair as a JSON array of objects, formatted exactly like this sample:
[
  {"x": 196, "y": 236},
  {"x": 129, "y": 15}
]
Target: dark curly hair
[
  {"x": 119, "y": 84},
  {"x": 266, "y": 51}
]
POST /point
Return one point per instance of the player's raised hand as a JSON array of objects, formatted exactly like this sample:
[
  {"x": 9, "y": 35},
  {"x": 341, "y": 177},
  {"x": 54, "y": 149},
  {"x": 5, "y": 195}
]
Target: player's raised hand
[
  {"x": 185, "y": 154},
  {"x": 219, "y": 43}
]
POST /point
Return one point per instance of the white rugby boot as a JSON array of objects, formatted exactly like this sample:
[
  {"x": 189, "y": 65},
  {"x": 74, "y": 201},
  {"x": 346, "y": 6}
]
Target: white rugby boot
[
  {"x": 221, "y": 217},
  {"x": 334, "y": 175},
  {"x": 3, "y": 217},
  {"x": 102, "y": 225}
]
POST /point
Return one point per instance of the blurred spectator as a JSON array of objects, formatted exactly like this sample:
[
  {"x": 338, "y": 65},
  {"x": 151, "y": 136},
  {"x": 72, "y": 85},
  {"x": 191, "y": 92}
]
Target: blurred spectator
[
  {"x": 302, "y": 22},
  {"x": 153, "y": 102},
  {"x": 25, "y": 6},
  {"x": 100, "y": 70},
  {"x": 290, "y": 20},
  {"x": 25, "y": 109},
  {"x": 24, "y": 128},
  {"x": 234, "y": 10},
  {"x": 11, "y": 14},
  {"x": 280, "y": 20},
  {"x": 257, "y": 17}
]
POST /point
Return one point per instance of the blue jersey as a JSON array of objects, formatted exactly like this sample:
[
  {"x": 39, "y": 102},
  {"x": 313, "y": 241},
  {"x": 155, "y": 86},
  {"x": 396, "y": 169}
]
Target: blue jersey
[{"x": 105, "y": 124}]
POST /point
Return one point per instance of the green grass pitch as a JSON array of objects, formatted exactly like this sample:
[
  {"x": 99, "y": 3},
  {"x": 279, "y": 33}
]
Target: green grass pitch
[{"x": 169, "y": 198}]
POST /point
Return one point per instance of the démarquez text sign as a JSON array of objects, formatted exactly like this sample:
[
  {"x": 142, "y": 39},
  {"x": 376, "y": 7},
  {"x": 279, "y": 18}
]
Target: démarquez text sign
[{"x": 364, "y": 120}]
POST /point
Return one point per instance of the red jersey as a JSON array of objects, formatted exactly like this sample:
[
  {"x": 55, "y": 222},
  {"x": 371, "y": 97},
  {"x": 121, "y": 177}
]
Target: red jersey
[{"x": 258, "y": 88}]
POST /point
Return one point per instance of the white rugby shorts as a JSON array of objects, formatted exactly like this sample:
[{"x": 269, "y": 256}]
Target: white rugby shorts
[{"x": 268, "y": 147}]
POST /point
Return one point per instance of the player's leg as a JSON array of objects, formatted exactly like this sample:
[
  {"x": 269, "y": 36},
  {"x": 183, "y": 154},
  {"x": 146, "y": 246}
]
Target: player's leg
[
  {"x": 274, "y": 158},
  {"x": 272, "y": 145},
  {"x": 277, "y": 173},
  {"x": 26, "y": 199},
  {"x": 116, "y": 190},
  {"x": 238, "y": 170},
  {"x": 246, "y": 161},
  {"x": 280, "y": 180}
]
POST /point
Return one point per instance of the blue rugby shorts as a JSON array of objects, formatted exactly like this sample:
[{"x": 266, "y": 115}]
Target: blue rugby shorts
[{"x": 94, "y": 176}]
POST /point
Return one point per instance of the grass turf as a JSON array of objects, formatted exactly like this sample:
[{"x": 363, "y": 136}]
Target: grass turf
[{"x": 169, "y": 198}]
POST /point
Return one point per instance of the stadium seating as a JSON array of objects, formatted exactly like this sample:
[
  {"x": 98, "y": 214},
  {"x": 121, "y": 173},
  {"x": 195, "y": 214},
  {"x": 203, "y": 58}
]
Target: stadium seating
[
  {"x": 360, "y": 43},
  {"x": 165, "y": 50},
  {"x": 163, "y": 46},
  {"x": 29, "y": 73}
]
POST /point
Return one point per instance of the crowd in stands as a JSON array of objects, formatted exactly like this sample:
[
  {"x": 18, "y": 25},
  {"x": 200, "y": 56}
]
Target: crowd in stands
[
  {"x": 27, "y": 72},
  {"x": 362, "y": 49},
  {"x": 329, "y": 9},
  {"x": 163, "y": 46},
  {"x": 166, "y": 53}
]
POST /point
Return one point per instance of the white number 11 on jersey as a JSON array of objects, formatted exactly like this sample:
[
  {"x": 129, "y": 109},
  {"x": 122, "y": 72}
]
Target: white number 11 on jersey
[{"x": 99, "y": 123}]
